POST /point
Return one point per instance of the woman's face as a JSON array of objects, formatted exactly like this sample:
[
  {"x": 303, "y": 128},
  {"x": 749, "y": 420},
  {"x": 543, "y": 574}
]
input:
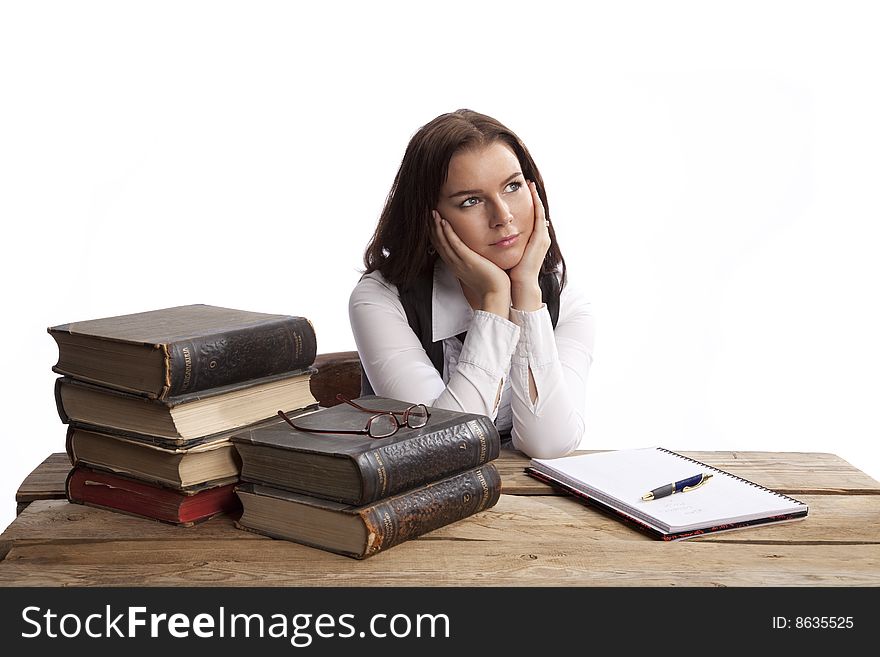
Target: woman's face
[{"x": 487, "y": 202}]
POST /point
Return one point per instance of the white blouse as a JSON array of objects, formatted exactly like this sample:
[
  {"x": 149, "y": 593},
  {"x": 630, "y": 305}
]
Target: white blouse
[{"x": 497, "y": 354}]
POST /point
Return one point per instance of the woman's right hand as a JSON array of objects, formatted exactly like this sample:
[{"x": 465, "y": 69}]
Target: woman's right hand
[{"x": 486, "y": 280}]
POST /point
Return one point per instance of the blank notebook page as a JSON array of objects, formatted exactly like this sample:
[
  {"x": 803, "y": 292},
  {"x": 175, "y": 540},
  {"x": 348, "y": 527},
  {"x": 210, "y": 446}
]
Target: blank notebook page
[{"x": 620, "y": 478}]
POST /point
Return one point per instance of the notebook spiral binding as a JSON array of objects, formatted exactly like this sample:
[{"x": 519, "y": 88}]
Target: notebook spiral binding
[{"x": 733, "y": 476}]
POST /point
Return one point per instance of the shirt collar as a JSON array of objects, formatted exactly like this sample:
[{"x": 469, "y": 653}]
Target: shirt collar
[{"x": 450, "y": 311}]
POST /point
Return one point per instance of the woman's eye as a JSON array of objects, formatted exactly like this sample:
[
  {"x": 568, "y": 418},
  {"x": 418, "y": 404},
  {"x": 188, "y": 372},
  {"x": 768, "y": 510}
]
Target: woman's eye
[{"x": 515, "y": 186}]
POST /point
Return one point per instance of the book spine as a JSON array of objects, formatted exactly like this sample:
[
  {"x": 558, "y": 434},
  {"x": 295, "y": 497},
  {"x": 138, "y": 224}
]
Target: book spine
[
  {"x": 419, "y": 511},
  {"x": 59, "y": 402},
  {"x": 240, "y": 355},
  {"x": 398, "y": 467},
  {"x": 68, "y": 445}
]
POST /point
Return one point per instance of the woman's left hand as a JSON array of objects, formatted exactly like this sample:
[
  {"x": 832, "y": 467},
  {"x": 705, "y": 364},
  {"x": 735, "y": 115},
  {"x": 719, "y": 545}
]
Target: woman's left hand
[{"x": 524, "y": 276}]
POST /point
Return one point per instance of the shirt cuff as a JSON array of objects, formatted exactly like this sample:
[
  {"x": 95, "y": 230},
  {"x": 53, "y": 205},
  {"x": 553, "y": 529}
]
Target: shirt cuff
[
  {"x": 490, "y": 343},
  {"x": 537, "y": 344}
]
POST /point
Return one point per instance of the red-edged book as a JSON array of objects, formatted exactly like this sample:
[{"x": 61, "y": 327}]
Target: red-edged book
[{"x": 118, "y": 493}]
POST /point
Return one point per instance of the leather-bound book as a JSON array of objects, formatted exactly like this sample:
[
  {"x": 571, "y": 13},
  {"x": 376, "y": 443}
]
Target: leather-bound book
[
  {"x": 183, "y": 350},
  {"x": 181, "y": 467},
  {"x": 115, "y": 492},
  {"x": 183, "y": 418},
  {"x": 320, "y": 460},
  {"x": 362, "y": 531}
]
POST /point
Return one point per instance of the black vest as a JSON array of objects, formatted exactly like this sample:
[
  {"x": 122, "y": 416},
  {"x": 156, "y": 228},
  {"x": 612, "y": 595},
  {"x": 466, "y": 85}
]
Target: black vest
[{"x": 416, "y": 300}]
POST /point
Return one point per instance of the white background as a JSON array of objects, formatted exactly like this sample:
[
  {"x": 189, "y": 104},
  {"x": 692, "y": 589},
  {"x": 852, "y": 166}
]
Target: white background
[{"x": 712, "y": 171}]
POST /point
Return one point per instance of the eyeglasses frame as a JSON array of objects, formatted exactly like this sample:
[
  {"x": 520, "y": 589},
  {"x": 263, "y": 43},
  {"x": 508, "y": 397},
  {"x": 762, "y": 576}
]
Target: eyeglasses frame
[{"x": 366, "y": 430}]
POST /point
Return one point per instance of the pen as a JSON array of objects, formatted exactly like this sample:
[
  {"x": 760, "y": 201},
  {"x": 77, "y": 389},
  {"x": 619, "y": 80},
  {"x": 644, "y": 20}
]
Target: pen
[{"x": 682, "y": 486}]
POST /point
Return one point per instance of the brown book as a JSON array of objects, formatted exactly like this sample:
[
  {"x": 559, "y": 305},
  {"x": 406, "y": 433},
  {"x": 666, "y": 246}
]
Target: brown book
[
  {"x": 183, "y": 417},
  {"x": 174, "y": 463},
  {"x": 181, "y": 350},
  {"x": 117, "y": 493},
  {"x": 362, "y": 531},
  {"x": 358, "y": 469},
  {"x": 213, "y": 461}
]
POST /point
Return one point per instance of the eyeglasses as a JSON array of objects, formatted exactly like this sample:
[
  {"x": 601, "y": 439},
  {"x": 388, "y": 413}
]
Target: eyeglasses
[{"x": 383, "y": 424}]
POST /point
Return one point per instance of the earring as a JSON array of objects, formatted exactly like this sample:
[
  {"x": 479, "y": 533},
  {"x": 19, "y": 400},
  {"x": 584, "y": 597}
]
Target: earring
[{"x": 431, "y": 250}]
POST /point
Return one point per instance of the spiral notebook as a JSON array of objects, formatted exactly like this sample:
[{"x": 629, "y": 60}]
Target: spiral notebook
[{"x": 616, "y": 481}]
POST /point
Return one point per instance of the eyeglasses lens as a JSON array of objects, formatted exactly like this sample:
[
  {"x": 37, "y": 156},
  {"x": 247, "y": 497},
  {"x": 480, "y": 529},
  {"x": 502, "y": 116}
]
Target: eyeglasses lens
[
  {"x": 418, "y": 416},
  {"x": 382, "y": 426}
]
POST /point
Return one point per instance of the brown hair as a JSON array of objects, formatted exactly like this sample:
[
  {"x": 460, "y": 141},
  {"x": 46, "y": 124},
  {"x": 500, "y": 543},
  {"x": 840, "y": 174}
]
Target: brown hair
[{"x": 399, "y": 246}]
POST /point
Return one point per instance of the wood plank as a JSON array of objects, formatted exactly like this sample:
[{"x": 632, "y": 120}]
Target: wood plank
[
  {"x": 833, "y": 519},
  {"x": 793, "y": 473},
  {"x": 60, "y": 520},
  {"x": 45, "y": 482},
  {"x": 527, "y": 540},
  {"x": 524, "y": 540},
  {"x": 438, "y": 562},
  {"x": 846, "y": 519}
]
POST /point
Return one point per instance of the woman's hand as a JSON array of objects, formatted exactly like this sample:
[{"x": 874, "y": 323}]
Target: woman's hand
[
  {"x": 487, "y": 281},
  {"x": 525, "y": 291}
]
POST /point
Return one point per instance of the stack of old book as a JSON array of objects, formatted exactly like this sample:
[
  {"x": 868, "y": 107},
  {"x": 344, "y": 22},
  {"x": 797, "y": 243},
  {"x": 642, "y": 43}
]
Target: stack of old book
[
  {"x": 358, "y": 478},
  {"x": 152, "y": 400}
]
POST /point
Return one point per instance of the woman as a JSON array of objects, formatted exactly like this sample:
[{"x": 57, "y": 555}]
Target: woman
[{"x": 464, "y": 303}]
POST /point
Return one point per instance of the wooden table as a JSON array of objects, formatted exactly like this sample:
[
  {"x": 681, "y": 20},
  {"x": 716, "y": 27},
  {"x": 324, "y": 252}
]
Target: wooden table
[{"x": 532, "y": 537}]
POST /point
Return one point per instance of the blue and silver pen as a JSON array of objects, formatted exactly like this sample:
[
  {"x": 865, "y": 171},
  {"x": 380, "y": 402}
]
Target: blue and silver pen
[{"x": 682, "y": 486}]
